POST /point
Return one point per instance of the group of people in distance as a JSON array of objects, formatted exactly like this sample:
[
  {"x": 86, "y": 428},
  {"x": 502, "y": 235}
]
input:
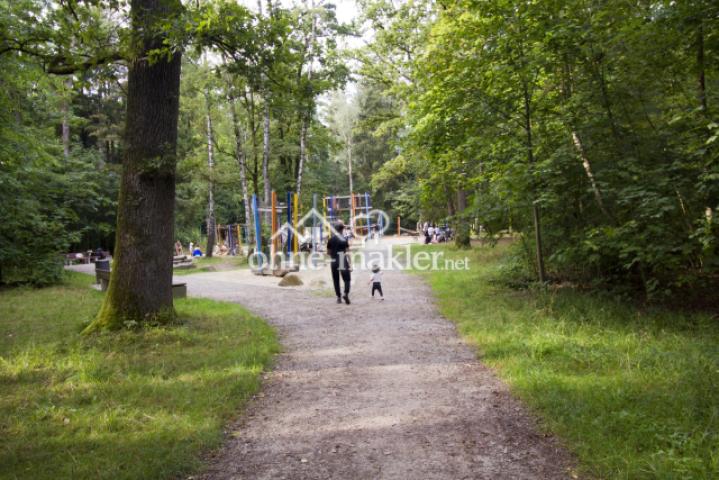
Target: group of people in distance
[
  {"x": 193, "y": 249},
  {"x": 435, "y": 234},
  {"x": 341, "y": 267}
]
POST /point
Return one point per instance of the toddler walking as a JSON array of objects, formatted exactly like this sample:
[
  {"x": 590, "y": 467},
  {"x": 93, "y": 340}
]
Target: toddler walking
[{"x": 376, "y": 281}]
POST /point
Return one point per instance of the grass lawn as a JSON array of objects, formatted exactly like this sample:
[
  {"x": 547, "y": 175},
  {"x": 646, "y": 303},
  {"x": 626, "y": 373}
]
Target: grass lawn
[
  {"x": 214, "y": 264},
  {"x": 121, "y": 405},
  {"x": 633, "y": 392}
]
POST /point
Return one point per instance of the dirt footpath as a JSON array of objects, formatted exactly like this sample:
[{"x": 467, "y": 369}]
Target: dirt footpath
[{"x": 372, "y": 390}]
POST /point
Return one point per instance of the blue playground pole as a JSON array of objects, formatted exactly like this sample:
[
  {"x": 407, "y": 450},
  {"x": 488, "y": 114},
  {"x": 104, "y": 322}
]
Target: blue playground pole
[
  {"x": 289, "y": 222},
  {"x": 258, "y": 229}
]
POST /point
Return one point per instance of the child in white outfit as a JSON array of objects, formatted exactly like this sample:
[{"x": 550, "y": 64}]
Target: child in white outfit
[{"x": 376, "y": 281}]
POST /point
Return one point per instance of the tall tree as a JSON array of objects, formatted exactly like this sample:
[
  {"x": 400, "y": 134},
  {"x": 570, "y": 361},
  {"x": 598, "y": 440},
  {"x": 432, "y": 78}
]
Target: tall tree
[
  {"x": 211, "y": 222},
  {"x": 141, "y": 281}
]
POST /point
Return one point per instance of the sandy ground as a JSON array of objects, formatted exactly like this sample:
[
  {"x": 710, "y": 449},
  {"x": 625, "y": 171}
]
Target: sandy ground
[{"x": 372, "y": 390}]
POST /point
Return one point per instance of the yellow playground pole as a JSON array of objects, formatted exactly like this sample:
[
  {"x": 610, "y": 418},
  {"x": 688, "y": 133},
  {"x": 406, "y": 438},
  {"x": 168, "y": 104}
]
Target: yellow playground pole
[{"x": 295, "y": 217}]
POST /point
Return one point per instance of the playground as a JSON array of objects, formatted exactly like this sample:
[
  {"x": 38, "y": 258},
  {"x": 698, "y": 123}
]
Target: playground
[{"x": 280, "y": 230}]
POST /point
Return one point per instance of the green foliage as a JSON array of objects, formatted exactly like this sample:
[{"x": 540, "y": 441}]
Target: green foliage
[
  {"x": 600, "y": 115},
  {"x": 630, "y": 391},
  {"x": 131, "y": 405},
  {"x": 45, "y": 199}
]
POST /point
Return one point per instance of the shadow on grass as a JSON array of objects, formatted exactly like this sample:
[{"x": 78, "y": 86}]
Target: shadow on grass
[
  {"x": 122, "y": 405},
  {"x": 633, "y": 391}
]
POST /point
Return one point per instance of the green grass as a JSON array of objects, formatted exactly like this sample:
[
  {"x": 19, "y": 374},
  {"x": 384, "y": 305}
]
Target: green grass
[
  {"x": 122, "y": 405},
  {"x": 214, "y": 264},
  {"x": 633, "y": 392}
]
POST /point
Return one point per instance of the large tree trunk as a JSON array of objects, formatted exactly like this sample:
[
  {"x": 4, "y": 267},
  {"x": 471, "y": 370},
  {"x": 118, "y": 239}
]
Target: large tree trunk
[
  {"x": 241, "y": 162},
  {"x": 140, "y": 287},
  {"x": 211, "y": 225}
]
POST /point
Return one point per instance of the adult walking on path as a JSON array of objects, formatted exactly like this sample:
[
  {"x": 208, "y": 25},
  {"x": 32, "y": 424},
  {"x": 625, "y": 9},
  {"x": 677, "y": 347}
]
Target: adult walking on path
[
  {"x": 384, "y": 391},
  {"x": 338, "y": 250}
]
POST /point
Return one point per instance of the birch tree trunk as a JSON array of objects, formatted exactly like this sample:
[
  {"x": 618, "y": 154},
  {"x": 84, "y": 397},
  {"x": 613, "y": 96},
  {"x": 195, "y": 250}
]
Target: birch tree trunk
[
  {"x": 349, "y": 162},
  {"x": 66, "y": 120},
  {"x": 536, "y": 214},
  {"x": 241, "y": 162},
  {"x": 590, "y": 174},
  {"x": 266, "y": 152},
  {"x": 306, "y": 116},
  {"x": 701, "y": 80},
  {"x": 210, "y": 185},
  {"x": 303, "y": 154}
]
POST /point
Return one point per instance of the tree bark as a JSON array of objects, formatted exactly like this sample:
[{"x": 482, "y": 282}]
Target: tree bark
[
  {"x": 303, "y": 154},
  {"x": 349, "y": 162},
  {"x": 590, "y": 174},
  {"x": 536, "y": 216},
  {"x": 306, "y": 116},
  {"x": 250, "y": 107},
  {"x": 461, "y": 238},
  {"x": 66, "y": 119},
  {"x": 211, "y": 240},
  {"x": 266, "y": 152},
  {"x": 241, "y": 162},
  {"x": 701, "y": 81},
  {"x": 140, "y": 289}
]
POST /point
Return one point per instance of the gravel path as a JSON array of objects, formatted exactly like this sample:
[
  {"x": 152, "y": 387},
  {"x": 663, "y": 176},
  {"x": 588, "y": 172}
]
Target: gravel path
[{"x": 372, "y": 390}]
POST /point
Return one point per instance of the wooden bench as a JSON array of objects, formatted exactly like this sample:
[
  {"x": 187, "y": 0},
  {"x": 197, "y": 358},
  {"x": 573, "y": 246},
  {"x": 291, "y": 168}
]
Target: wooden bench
[
  {"x": 179, "y": 290},
  {"x": 182, "y": 261}
]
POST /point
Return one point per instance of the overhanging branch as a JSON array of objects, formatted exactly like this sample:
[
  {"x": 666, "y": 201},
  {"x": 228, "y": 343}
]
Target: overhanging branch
[{"x": 58, "y": 65}]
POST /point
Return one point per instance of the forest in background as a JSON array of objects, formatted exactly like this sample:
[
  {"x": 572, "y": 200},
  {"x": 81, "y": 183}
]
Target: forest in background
[{"x": 587, "y": 129}]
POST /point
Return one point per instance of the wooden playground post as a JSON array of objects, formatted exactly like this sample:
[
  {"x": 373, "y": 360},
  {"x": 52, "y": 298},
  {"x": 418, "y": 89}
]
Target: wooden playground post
[
  {"x": 398, "y": 226},
  {"x": 367, "y": 211},
  {"x": 258, "y": 229}
]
